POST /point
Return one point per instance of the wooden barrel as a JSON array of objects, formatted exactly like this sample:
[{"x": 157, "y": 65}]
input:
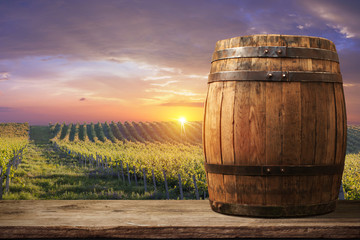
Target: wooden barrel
[{"x": 274, "y": 131}]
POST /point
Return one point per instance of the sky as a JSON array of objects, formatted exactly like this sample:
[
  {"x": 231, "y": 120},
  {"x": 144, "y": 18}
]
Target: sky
[{"x": 147, "y": 60}]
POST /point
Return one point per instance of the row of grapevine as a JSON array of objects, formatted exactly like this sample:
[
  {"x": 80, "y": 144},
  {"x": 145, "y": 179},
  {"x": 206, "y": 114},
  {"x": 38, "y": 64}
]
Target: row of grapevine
[
  {"x": 170, "y": 165},
  {"x": 351, "y": 176},
  {"x": 14, "y": 130},
  {"x": 353, "y": 139},
  {"x": 13, "y": 142},
  {"x": 151, "y": 130},
  {"x": 129, "y": 175},
  {"x": 163, "y": 132}
]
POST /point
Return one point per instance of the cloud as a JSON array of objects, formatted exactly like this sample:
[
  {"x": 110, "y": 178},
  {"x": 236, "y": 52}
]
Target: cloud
[
  {"x": 176, "y": 36},
  {"x": 344, "y": 30},
  {"x": 109, "y": 99},
  {"x": 349, "y": 59},
  {"x": 183, "y": 104},
  {"x": 340, "y": 15},
  {"x": 82, "y": 99},
  {"x": 6, "y": 109},
  {"x": 197, "y": 76},
  {"x": 175, "y": 92},
  {"x": 306, "y": 25},
  {"x": 161, "y": 32},
  {"x": 156, "y": 78},
  {"x": 163, "y": 84},
  {"x": 4, "y": 76},
  {"x": 164, "y": 32}
]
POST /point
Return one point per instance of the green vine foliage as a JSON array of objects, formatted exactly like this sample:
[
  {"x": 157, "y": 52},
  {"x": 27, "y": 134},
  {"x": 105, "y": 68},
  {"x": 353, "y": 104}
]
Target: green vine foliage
[
  {"x": 351, "y": 177},
  {"x": 13, "y": 139}
]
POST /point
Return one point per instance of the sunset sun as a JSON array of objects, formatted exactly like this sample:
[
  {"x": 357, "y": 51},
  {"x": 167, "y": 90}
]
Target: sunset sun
[{"x": 182, "y": 120}]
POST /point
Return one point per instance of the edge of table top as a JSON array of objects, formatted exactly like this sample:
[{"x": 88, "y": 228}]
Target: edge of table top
[{"x": 162, "y": 219}]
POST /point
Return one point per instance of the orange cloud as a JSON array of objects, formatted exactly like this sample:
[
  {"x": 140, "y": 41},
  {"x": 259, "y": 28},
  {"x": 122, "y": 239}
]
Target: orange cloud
[{"x": 183, "y": 104}]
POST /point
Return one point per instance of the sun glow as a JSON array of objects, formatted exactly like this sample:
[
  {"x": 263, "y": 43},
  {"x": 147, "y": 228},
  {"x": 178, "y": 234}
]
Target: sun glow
[{"x": 182, "y": 121}]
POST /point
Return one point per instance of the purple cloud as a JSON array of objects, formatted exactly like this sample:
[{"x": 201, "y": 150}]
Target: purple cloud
[
  {"x": 4, "y": 76},
  {"x": 6, "y": 109},
  {"x": 341, "y": 15},
  {"x": 158, "y": 31}
]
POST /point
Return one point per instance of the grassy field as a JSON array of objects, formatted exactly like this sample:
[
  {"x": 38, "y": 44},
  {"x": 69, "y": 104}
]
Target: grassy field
[{"x": 46, "y": 173}]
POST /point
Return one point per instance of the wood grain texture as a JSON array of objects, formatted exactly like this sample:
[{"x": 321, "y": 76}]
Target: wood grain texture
[
  {"x": 308, "y": 123},
  {"x": 291, "y": 142},
  {"x": 257, "y": 136},
  {"x": 227, "y": 139},
  {"x": 148, "y": 219},
  {"x": 274, "y": 113},
  {"x": 241, "y": 143},
  {"x": 213, "y": 140}
]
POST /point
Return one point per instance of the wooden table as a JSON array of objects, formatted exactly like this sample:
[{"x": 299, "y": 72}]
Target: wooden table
[{"x": 162, "y": 219}]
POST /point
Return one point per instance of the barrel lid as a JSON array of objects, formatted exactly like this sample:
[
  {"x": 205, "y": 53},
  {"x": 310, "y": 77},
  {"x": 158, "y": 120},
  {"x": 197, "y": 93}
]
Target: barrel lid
[{"x": 276, "y": 40}]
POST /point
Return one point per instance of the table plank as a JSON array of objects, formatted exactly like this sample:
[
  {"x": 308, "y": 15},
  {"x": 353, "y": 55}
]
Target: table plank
[{"x": 162, "y": 219}]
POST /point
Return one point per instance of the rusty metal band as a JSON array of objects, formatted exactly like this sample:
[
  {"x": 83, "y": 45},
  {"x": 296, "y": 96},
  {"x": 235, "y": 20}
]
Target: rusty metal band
[
  {"x": 272, "y": 211},
  {"x": 275, "y": 52},
  {"x": 271, "y": 170},
  {"x": 275, "y": 76}
]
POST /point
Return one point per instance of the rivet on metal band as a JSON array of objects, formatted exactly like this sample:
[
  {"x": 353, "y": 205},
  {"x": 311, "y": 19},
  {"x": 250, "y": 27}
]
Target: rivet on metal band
[
  {"x": 275, "y": 76},
  {"x": 275, "y": 52},
  {"x": 277, "y": 170}
]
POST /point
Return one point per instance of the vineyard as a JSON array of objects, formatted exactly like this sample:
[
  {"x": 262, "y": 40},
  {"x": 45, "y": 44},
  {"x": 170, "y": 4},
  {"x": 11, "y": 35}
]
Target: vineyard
[
  {"x": 130, "y": 160},
  {"x": 160, "y": 154},
  {"x": 149, "y": 132},
  {"x": 13, "y": 141},
  {"x": 353, "y": 139}
]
